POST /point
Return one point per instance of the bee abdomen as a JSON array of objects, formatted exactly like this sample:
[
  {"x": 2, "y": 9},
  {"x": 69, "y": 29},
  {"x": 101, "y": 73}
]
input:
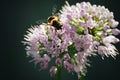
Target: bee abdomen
[{"x": 57, "y": 25}]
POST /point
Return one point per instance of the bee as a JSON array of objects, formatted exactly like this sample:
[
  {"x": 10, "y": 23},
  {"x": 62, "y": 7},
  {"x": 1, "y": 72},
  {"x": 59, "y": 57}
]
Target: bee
[
  {"x": 52, "y": 21},
  {"x": 55, "y": 22}
]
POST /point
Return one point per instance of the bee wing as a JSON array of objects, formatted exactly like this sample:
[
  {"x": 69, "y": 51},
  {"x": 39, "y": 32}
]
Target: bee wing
[
  {"x": 54, "y": 10},
  {"x": 41, "y": 21}
]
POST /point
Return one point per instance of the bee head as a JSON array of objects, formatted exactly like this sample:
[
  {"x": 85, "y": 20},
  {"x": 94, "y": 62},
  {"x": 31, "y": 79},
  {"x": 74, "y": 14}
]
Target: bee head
[{"x": 50, "y": 18}]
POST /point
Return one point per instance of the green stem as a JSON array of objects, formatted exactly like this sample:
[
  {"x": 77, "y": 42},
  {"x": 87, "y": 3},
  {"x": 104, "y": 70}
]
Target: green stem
[
  {"x": 58, "y": 74},
  {"x": 82, "y": 77}
]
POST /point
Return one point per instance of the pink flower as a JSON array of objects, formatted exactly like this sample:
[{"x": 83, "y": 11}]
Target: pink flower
[
  {"x": 66, "y": 56},
  {"x": 53, "y": 70},
  {"x": 68, "y": 66},
  {"x": 110, "y": 39},
  {"x": 44, "y": 61},
  {"x": 58, "y": 61},
  {"x": 107, "y": 50},
  {"x": 115, "y": 31}
]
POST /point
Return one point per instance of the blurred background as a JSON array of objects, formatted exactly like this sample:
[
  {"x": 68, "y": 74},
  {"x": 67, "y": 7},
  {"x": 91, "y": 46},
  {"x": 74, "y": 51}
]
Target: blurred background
[{"x": 17, "y": 16}]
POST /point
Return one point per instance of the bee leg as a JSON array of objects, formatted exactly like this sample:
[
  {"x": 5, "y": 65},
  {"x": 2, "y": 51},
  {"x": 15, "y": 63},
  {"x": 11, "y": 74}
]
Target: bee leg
[
  {"x": 61, "y": 27},
  {"x": 55, "y": 30}
]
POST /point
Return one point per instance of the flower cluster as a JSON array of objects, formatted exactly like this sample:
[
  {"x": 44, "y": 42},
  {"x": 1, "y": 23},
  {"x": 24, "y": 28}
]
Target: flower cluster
[
  {"x": 87, "y": 30},
  {"x": 93, "y": 20}
]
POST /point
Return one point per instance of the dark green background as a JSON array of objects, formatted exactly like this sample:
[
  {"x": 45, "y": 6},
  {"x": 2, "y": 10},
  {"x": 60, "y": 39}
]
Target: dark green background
[{"x": 17, "y": 16}]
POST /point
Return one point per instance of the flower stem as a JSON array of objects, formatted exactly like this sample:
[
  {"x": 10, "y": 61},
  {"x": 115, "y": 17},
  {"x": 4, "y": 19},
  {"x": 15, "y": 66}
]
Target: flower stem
[
  {"x": 58, "y": 74},
  {"x": 82, "y": 77}
]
